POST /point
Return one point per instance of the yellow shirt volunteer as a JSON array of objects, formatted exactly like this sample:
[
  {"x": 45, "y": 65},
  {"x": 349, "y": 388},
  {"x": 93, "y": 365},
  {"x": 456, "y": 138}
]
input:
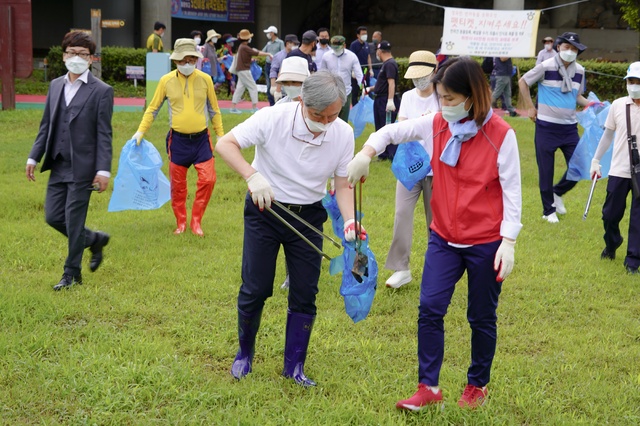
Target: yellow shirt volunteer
[
  {"x": 191, "y": 101},
  {"x": 154, "y": 42}
]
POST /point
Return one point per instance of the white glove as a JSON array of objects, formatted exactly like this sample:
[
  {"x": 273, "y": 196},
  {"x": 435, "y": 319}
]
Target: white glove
[
  {"x": 261, "y": 192},
  {"x": 596, "y": 168},
  {"x": 390, "y": 105},
  {"x": 138, "y": 137},
  {"x": 350, "y": 231},
  {"x": 272, "y": 90},
  {"x": 358, "y": 168},
  {"x": 277, "y": 96},
  {"x": 504, "y": 256}
]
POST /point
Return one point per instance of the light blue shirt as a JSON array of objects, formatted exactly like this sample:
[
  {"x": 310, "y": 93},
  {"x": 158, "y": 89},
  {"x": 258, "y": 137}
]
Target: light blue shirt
[{"x": 343, "y": 65}]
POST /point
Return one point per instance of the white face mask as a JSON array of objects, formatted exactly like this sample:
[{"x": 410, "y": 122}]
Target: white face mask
[
  {"x": 249, "y": 41},
  {"x": 197, "y": 40},
  {"x": 214, "y": 40},
  {"x": 634, "y": 91},
  {"x": 76, "y": 65},
  {"x": 295, "y": 47},
  {"x": 455, "y": 113},
  {"x": 568, "y": 55},
  {"x": 339, "y": 51},
  {"x": 363, "y": 38},
  {"x": 422, "y": 83},
  {"x": 548, "y": 46},
  {"x": 292, "y": 91},
  {"x": 186, "y": 69},
  {"x": 269, "y": 35}
]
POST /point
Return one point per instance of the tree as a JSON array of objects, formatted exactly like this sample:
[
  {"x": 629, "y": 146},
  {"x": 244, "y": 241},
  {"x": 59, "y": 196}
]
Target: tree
[
  {"x": 337, "y": 18},
  {"x": 631, "y": 12}
]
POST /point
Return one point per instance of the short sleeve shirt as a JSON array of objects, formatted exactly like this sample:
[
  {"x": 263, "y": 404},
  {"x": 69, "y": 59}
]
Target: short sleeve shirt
[
  {"x": 312, "y": 65},
  {"x": 389, "y": 70},
  {"x": 296, "y": 165},
  {"x": 361, "y": 50},
  {"x": 617, "y": 121},
  {"x": 245, "y": 52}
]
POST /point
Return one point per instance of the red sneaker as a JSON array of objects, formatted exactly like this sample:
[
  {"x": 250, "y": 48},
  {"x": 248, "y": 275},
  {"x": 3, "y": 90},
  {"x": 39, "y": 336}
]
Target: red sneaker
[
  {"x": 473, "y": 397},
  {"x": 423, "y": 397}
]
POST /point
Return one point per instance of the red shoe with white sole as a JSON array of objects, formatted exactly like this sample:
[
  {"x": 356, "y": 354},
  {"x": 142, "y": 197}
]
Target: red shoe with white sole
[
  {"x": 423, "y": 397},
  {"x": 473, "y": 397}
]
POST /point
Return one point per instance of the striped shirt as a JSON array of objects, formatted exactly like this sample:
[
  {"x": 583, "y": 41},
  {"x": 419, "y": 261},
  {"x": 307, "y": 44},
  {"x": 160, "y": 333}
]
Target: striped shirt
[{"x": 554, "y": 106}]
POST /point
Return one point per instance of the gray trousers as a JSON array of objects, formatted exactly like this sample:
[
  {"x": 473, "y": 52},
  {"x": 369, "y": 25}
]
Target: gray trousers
[
  {"x": 400, "y": 250},
  {"x": 503, "y": 87},
  {"x": 65, "y": 207},
  {"x": 245, "y": 81}
]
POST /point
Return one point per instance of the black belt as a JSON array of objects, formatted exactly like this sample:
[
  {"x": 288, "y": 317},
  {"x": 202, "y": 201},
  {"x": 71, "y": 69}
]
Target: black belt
[
  {"x": 297, "y": 208},
  {"x": 189, "y": 135}
]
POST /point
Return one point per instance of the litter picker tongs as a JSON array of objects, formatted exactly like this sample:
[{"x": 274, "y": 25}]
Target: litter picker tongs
[
  {"x": 593, "y": 187},
  {"x": 361, "y": 263}
]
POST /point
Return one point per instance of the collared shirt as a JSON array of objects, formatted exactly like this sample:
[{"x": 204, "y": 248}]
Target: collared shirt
[
  {"x": 361, "y": 50},
  {"x": 276, "y": 63},
  {"x": 555, "y": 106},
  {"x": 70, "y": 89},
  {"x": 191, "y": 101},
  {"x": 508, "y": 164},
  {"x": 617, "y": 121},
  {"x": 296, "y": 164},
  {"x": 154, "y": 41},
  {"x": 545, "y": 54},
  {"x": 273, "y": 47},
  {"x": 344, "y": 65},
  {"x": 320, "y": 52}
]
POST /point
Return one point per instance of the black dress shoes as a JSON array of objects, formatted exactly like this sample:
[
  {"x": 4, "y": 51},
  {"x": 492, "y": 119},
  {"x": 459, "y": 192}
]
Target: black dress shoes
[
  {"x": 102, "y": 239},
  {"x": 67, "y": 281}
]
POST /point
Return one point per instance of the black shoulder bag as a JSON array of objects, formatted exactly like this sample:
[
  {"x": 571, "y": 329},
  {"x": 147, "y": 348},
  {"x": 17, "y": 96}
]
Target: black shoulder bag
[{"x": 634, "y": 157}]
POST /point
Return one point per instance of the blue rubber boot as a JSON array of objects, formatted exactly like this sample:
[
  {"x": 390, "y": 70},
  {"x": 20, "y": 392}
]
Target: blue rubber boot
[
  {"x": 298, "y": 332},
  {"x": 248, "y": 325}
]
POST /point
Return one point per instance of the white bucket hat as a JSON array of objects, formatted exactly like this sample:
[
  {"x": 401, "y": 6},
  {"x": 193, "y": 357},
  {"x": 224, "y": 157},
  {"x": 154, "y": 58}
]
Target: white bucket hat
[{"x": 294, "y": 68}]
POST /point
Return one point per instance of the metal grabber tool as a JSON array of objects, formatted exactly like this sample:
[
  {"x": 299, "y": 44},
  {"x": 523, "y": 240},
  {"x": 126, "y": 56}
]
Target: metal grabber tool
[{"x": 361, "y": 263}]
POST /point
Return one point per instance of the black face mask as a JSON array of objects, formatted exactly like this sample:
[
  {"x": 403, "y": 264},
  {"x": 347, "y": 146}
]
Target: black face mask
[{"x": 324, "y": 41}]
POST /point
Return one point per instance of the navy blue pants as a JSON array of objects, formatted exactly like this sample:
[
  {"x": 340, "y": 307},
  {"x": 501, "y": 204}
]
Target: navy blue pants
[
  {"x": 550, "y": 137},
  {"x": 612, "y": 213},
  {"x": 185, "y": 151},
  {"x": 380, "y": 119},
  {"x": 267, "y": 70},
  {"x": 444, "y": 265},
  {"x": 263, "y": 236}
]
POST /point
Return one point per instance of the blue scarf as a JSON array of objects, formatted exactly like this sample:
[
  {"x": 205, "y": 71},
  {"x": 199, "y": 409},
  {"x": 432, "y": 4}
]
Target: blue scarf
[{"x": 460, "y": 132}]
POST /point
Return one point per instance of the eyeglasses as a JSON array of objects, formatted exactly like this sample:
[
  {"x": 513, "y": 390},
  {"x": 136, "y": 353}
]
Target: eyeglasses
[
  {"x": 81, "y": 54},
  {"x": 185, "y": 61}
]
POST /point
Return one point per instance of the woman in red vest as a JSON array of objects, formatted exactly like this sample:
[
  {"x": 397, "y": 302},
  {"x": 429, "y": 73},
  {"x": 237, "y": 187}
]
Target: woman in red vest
[{"x": 476, "y": 205}]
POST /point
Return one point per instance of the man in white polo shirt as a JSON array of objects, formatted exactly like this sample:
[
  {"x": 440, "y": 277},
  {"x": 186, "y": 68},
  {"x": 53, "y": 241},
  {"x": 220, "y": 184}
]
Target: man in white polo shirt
[{"x": 298, "y": 146}]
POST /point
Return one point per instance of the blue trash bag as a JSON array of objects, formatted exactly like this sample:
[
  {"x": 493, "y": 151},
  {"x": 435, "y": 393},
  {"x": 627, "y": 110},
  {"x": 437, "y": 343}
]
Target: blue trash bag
[
  {"x": 372, "y": 81},
  {"x": 139, "y": 184},
  {"x": 227, "y": 60},
  {"x": 411, "y": 164},
  {"x": 361, "y": 114},
  {"x": 358, "y": 296},
  {"x": 219, "y": 78},
  {"x": 592, "y": 120},
  {"x": 256, "y": 70},
  {"x": 206, "y": 66},
  {"x": 330, "y": 204}
]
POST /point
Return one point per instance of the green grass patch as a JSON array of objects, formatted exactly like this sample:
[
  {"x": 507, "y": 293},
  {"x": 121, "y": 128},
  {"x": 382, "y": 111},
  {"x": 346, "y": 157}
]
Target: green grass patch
[{"x": 150, "y": 337}]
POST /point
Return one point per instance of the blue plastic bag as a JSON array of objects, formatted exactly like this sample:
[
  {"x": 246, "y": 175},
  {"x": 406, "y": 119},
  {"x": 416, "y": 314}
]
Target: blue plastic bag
[
  {"x": 358, "y": 296},
  {"x": 411, "y": 164},
  {"x": 139, "y": 184},
  {"x": 592, "y": 120},
  {"x": 361, "y": 114},
  {"x": 206, "y": 66},
  {"x": 256, "y": 70},
  {"x": 227, "y": 60},
  {"x": 219, "y": 78}
]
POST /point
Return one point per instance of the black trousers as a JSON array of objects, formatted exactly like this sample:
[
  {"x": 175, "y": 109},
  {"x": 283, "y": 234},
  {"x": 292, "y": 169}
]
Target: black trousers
[
  {"x": 66, "y": 205},
  {"x": 613, "y": 211},
  {"x": 380, "y": 119},
  {"x": 263, "y": 236}
]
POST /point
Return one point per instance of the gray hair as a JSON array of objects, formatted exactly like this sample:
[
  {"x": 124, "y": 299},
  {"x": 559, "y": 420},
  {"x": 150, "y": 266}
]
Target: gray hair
[{"x": 323, "y": 88}]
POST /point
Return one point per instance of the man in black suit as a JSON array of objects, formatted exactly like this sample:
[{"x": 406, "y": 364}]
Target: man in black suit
[{"x": 75, "y": 141}]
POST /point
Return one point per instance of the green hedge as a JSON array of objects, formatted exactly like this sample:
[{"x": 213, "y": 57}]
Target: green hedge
[{"x": 599, "y": 74}]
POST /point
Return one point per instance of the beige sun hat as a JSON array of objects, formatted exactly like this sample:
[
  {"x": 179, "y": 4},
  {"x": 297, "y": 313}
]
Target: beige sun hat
[
  {"x": 245, "y": 34},
  {"x": 211, "y": 34},
  {"x": 422, "y": 63},
  {"x": 293, "y": 68},
  {"x": 184, "y": 47}
]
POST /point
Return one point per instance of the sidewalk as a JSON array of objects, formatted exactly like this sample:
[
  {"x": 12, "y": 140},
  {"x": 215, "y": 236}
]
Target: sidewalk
[{"x": 123, "y": 104}]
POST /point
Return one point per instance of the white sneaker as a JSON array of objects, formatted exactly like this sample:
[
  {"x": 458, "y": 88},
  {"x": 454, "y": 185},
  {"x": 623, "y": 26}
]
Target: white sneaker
[
  {"x": 559, "y": 204},
  {"x": 235, "y": 111},
  {"x": 285, "y": 284},
  {"x": 398, "y": 279},
  {"x": 552, "y": 218}
]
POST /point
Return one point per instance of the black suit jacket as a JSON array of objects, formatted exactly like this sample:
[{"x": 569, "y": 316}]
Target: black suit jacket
[{"x": 89, "y": 124}]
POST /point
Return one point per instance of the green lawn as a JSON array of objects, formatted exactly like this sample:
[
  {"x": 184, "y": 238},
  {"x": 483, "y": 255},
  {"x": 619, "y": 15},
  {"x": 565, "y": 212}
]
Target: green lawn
[{"x": 149, "y": 338}]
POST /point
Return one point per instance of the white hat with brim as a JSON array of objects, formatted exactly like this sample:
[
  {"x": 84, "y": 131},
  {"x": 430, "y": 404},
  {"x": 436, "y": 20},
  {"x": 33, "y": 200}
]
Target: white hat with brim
[
  {"x": 184, "y": 47},
  {"x": 294, "y": 68},
  {"x": 633, "y": 71},
  {"x": 271, "y": 29},
  {"x": 421, "y": 64},
  {"x": 211, "y": 34}
]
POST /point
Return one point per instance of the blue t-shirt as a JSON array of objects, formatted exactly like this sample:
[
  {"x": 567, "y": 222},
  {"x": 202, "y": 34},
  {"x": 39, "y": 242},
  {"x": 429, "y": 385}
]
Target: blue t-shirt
[{"x": 297, "y": 52}]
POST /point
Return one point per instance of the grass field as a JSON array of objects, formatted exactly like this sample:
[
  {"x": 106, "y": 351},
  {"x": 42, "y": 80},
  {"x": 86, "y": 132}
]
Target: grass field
[{"x": 149, "y": 338}]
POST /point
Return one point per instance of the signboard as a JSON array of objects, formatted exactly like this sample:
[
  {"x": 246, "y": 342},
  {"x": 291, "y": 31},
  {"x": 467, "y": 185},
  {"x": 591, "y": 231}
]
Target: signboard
[
  {"x": 112, "y": 23},
  {"x": 488, "y": 32},
  {"x": 214, "y": 10},
  {"x": 135, "y": 72}
]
